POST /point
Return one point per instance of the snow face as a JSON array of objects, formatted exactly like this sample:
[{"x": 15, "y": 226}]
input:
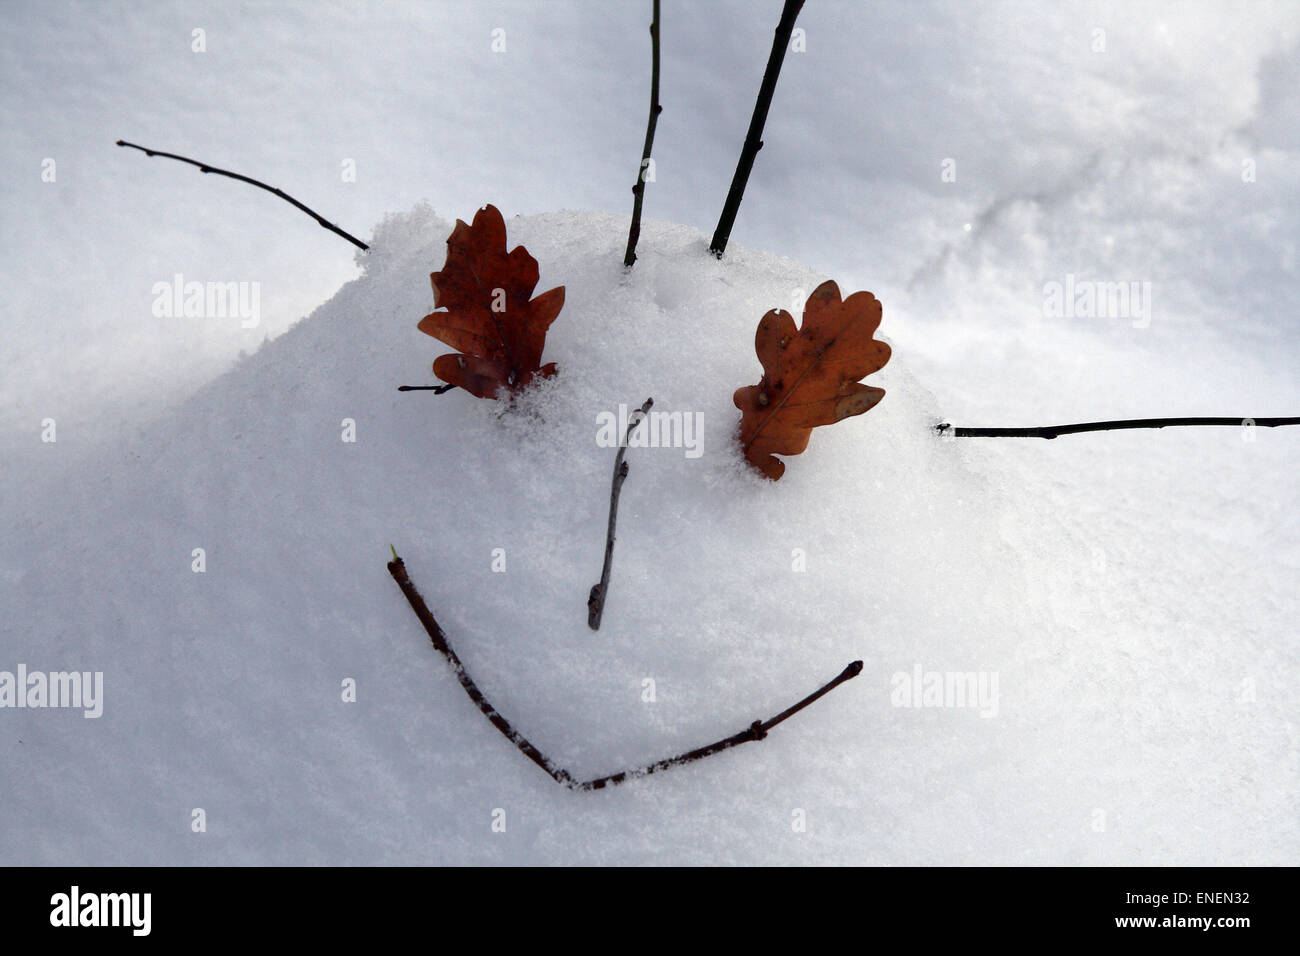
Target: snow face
[{"x": 1120, "y": 607}]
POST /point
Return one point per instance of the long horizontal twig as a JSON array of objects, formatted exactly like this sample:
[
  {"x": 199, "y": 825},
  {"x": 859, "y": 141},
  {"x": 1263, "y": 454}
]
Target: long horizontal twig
[
  {"x": 600, "y": 590},
  {"x": 755, "y": 731},
  {"x": 205, "y": 168},
  {"x": 1051, "y": 431}
]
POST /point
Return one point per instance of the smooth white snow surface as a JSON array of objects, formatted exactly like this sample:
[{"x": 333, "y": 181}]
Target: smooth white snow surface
[{"x": 1132, "y": 593}]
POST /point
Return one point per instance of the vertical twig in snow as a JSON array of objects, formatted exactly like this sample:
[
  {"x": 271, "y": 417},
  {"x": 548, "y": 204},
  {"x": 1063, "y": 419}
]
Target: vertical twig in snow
[
  {"x": 754, "y": 138},
  {"x": 634, "y": 234},
  {"x": 596, "y": 600}
]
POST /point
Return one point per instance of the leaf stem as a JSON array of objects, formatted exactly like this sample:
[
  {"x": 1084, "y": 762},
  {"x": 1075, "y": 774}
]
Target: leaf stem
[{"x": 436, "y": 389}]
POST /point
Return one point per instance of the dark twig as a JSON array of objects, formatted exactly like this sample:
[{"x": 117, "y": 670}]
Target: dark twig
[
  {"x": 398, "y": 570},
  {"x": 596, "y": 600},
  {"x": 436, "y": 389},
  {"x": 205, "y": 168},
  {"x": 1051, "y": 431},
  {"x": 754, "y": 138},
  {"x": 755, "y": 731},
  {"x": 638, "y": 191}
]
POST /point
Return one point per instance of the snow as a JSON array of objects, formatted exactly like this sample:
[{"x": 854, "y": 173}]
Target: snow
[
  {"x": 1132, "y": 592},
  {"x": 1117, "y": 164}
]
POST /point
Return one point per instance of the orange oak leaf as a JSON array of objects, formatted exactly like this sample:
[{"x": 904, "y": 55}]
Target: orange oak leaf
[
  {"x": 488, "y": 314},
  {"x": 810, "y": 374}
]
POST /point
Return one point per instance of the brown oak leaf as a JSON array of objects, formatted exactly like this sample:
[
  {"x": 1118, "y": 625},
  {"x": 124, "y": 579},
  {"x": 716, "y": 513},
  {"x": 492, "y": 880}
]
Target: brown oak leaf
[
  {"x": 489, "y": 316},
  {"x": 810, "y": 374}
]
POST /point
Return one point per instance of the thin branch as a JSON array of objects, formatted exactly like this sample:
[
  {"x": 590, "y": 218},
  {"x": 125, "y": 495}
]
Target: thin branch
[
  {"x": 754, "y": 138},
  {"x": 638, "y": 191},
  {"x": 596, "y": 600},
  {"x": 398, "y": 570},
  {"x": 755, "y": 731},
  {"x": 205, "y": 168},
  {"x": 436, "y": 389},
  {"x": 1051, "y": 431}
]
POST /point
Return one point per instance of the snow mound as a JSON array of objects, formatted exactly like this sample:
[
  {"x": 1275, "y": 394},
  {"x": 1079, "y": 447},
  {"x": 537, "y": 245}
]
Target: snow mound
[{"x": 1112, "y": 682}]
